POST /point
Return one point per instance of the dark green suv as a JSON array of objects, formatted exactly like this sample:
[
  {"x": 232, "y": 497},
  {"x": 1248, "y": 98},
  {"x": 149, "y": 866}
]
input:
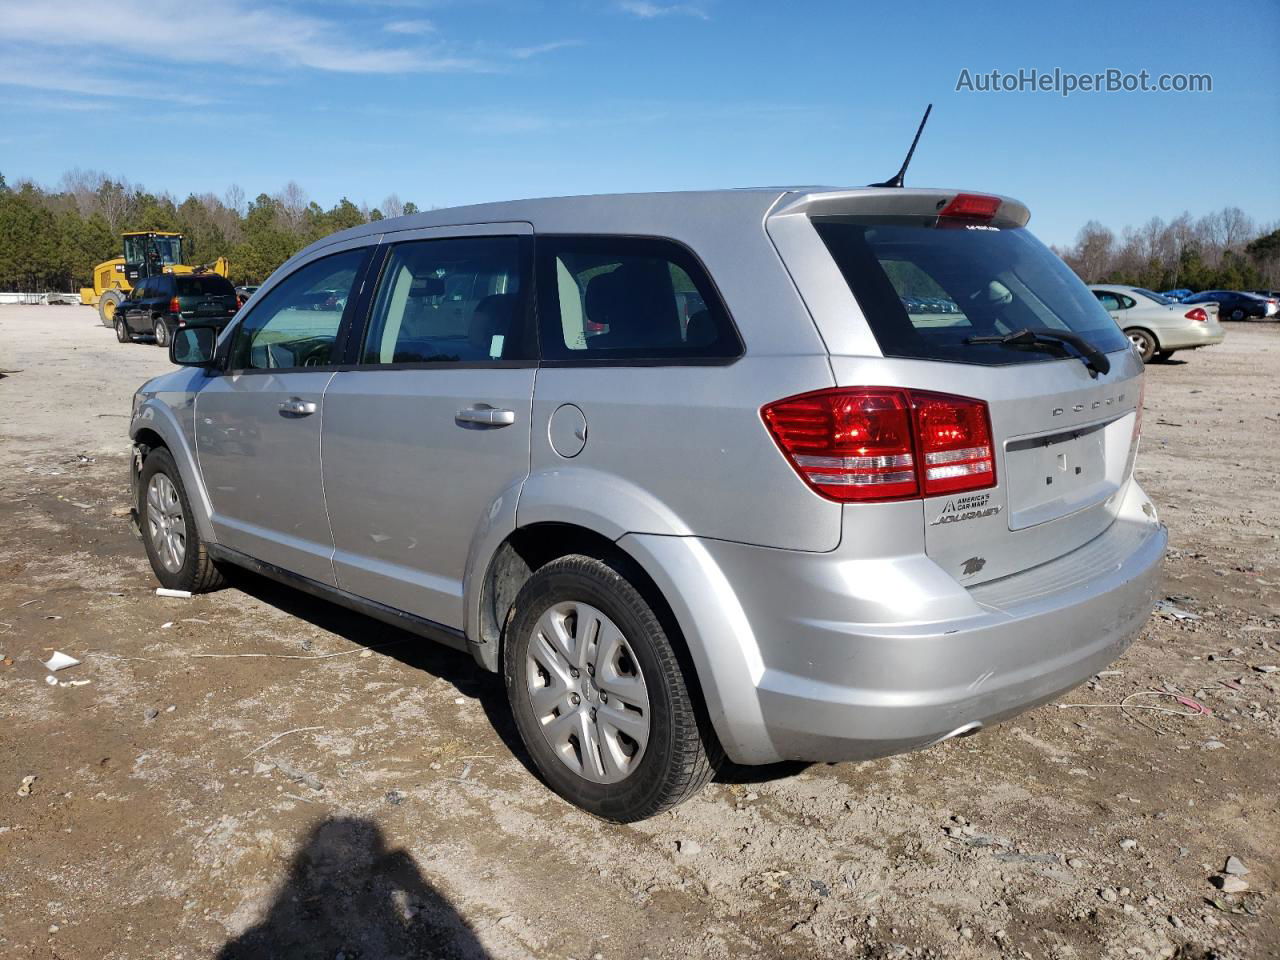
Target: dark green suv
[{"x": 160, "y": 305}]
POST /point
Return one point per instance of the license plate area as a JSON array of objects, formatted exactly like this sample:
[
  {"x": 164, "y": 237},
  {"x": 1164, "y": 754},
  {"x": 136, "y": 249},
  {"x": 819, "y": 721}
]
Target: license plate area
[
  {"x": 1052, "y": 476},
  {"x": 210, "y": 309}
]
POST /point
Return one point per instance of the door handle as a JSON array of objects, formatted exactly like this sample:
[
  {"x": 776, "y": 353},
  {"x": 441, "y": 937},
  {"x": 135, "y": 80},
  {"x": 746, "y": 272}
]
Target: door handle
[
  {"x": 486, "y": 416},
  {"x": 298, "y": 408}
]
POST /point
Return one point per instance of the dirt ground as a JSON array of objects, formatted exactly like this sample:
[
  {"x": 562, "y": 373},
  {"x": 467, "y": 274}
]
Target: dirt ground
[{"x": 368, "y": 798}]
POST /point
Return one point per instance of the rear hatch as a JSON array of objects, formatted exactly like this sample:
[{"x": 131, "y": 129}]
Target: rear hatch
[
  {"x": 206, "y": 298},
  {"x": 907, "y": 295}
]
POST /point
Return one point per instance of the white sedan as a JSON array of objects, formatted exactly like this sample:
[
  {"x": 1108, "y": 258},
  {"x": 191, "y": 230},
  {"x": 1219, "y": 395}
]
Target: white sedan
[{"x": 1156, "y": 325}]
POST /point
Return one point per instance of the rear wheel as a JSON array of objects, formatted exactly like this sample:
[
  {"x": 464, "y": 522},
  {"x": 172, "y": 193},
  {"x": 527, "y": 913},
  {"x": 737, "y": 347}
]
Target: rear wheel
[
  {"x": 177, "y": 554},
  {"x": 1144, "y": 341},
  {"x": 162, "y": 333},
  {"x": 599, "y": 696},
  {"x": 122, "y": 331},
  {"x": 107, "y": 304}
]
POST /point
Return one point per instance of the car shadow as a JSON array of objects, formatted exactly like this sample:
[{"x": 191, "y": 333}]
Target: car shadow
[
  {"x": 348, "y": 895},
  {"x": 451, "y": 665},
  {"x": 731, "y": 772},
  {"x": 413, "y": 651}
]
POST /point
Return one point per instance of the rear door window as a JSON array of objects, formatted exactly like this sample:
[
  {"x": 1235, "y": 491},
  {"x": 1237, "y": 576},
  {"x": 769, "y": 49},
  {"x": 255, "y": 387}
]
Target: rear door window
[
  {"x": 629, "y": 299},
  {"x": 926, "y": 290},
  {"x": 452, "y": 300}
]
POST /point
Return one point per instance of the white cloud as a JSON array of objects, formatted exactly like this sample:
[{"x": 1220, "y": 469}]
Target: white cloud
[
  {"x": 410, "y": 28},
  {"x": 228, "y": 32},
  {"x": 524, "y": 53},
  {"x": 42, "y": 72},
  {"x": 648, "y": 11}
]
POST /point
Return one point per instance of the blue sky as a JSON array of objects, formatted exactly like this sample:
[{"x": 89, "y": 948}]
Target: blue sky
[{"x": 457, "y": 102}]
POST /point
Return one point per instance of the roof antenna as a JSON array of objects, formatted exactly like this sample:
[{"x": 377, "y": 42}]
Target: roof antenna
[{"x": 897, "y": 178}]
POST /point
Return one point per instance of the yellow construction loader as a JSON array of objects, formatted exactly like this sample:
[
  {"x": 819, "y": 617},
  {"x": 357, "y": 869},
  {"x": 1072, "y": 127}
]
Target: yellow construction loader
[{"x": 146, "y": 254}]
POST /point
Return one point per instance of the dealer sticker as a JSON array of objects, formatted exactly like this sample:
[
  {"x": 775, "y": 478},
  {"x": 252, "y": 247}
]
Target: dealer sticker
[{"x": 970, "y": 507}]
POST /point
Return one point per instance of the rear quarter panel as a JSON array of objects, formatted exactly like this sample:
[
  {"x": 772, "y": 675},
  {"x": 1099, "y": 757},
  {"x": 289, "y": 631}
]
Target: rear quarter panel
[{"x": 678, "y": 451}]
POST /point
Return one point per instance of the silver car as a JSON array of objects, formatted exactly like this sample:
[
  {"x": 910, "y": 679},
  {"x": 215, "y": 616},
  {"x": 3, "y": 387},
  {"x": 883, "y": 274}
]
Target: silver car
[
  {"x": 683, "y": 468},
  {"x": 1157, "y": 326}
]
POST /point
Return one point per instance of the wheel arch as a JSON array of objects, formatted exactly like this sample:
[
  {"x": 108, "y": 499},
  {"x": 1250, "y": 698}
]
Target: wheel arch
[
  {"x": 153, "y": 426},
  {"x": 1147, "y": 330},
  {"x": 522, "y": 552},
  {"x": 722, "y": 680}
]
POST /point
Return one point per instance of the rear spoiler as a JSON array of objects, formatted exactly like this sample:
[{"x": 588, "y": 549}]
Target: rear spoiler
[{"x": 901, "y": 202}]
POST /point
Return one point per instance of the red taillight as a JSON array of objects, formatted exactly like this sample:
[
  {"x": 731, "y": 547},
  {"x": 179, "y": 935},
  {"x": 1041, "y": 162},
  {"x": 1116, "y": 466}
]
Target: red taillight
[
  {"x": 175, "y": 306},
  {"x": 1198, "y": 315},
  {"x": 954, "y": 435},
  {"x": 884, "y": 444},
  {"x": 971, "y": 206}
]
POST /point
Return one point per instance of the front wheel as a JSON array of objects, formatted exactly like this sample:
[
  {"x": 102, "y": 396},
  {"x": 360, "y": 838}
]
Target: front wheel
[
  {"x": 599, "y": 695},
  {"x": 122, "y": 331},
  {"x": 1144, "y": 341},
  {"x": 162, "y": 333},
  {"x": 107, "y": 304},
  {"x": 1237, "y": 314},
  {"x": 177, "y": 554}
]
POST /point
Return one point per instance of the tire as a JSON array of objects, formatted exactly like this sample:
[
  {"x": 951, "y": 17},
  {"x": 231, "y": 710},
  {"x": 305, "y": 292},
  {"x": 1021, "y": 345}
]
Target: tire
[
  {"x": 1237, "y": 314},
  {"x": 188, "y": 567},
  {"x": 161, "y": 330},
  {"x": 107, "y": 304},
  {"x": 612, "y": 775},
  {"x": 1144, "y": 341},
  {"x": 122, "y": 331}
]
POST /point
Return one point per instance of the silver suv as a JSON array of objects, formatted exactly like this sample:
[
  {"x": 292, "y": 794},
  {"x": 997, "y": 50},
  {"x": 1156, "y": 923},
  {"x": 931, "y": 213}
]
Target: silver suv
[{"x": 808, "y": 474}]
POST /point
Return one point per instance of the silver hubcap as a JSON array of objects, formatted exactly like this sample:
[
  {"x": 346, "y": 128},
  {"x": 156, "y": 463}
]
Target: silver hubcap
[
  {"x": 165, "y": 523},
  {"x": 588, "y": 693},
  {"x": 1139, "y": 341}
]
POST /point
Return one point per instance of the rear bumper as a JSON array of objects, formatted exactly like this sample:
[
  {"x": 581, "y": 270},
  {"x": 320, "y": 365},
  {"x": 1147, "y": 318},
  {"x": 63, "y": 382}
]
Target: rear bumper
[
  {"x": 1197, "y": 335},
  {"x": 789, "y": 674}
]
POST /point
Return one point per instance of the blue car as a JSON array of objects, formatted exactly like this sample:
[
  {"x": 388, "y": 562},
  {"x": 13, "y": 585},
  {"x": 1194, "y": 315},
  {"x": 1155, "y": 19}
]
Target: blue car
[{"x": 1179, "y": 295}]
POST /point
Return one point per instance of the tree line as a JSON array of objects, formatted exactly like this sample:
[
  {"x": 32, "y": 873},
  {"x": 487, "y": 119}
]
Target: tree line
[
  {"x": 1225, "y": 250},
  {"x": 51, "y": 239}
]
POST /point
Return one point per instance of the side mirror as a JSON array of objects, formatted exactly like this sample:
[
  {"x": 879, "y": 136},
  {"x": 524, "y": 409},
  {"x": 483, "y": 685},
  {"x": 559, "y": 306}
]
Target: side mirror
[{"x": 193, "y": 346}]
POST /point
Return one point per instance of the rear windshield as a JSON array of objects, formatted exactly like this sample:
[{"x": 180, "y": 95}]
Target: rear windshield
[
  {"x": 926, "y": 289},
  {"x": 214, "y": 286},
  {"x": 1159, "y": 298}
]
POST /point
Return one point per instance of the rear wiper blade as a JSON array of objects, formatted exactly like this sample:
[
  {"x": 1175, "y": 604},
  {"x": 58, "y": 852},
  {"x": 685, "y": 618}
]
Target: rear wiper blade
[{"x": 1091, "y": 356}]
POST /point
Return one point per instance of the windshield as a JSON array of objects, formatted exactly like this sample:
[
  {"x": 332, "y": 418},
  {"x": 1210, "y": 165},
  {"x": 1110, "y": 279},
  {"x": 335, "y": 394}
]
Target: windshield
[
  {"x": 1157, "y": 297},
  {"x": 927, "y": 289},
  {"x": 167, "y": 249},
  {"x": 159, "y": 251}
]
